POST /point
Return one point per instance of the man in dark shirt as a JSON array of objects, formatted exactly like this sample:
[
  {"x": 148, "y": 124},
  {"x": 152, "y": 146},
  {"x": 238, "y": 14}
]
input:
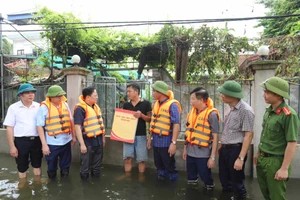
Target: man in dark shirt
[
  {"x": 90, "y": 132},
  {"x": 143, "y": 113}
]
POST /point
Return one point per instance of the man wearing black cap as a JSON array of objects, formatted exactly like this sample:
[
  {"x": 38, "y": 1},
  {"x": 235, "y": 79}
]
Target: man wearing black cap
[{"x": 22, "y": 134}]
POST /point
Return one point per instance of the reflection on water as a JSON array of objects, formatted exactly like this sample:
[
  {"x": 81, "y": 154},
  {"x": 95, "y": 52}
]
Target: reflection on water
[{"x": 113, "y": 184}]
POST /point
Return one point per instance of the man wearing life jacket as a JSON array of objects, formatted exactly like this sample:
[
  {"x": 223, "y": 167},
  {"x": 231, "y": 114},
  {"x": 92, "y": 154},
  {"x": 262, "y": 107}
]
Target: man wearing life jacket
[
  {"x": 23, "y": 138},
  {"x": 201, "y": 136},
  {"x": 235, "y": 141},
  {"x": 55, "y": 128},
  {"x": 278, "y": 140},
  {"x": 164, "y": 128},
  {"x": 90, "y": 132}
]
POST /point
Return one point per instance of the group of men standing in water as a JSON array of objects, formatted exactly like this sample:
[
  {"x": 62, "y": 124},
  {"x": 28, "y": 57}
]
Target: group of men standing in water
[{"x": 49, "y": 129}]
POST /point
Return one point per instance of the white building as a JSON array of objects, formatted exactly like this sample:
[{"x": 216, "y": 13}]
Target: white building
[
  {"x": 25, "y": 43},
  {"x": 22, "y": 46}
]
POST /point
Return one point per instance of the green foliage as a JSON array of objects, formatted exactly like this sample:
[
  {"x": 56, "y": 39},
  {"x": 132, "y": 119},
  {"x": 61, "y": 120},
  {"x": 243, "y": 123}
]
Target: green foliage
[
  {"x": 62, "y": 36},
  {"x": 118, "y": 76},
  {"x": 288, "y": 50},
  {"x": 93, "y": 43},
  {"x": 211, "y": 51},
  {"x": 280, "y": 26},
  {"x": 284, "y": 35},
  {"x": 214, "y": 52},
  {"x": 169, "y": 33},
  {"x": 43, "y": 61},
  {"x": 296, "y": 29},
  {"x": 7, "y": 46},
  {"x": 148, "y": 91}
]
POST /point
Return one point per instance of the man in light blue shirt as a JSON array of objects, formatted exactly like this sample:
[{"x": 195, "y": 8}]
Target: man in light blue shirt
[{"x": 55, "y": 128}]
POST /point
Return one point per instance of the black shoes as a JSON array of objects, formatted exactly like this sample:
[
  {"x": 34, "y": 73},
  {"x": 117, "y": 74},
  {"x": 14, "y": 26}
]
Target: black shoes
[
  {"x": 209, "y": 187},
  {"x": 64, "y": 173},
  {"x": 239, "y": 197},
  {"x": 51, "y": 174}
]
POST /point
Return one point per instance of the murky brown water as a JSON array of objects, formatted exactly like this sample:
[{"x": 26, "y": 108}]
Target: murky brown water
[{"x": 113, "y": 185}]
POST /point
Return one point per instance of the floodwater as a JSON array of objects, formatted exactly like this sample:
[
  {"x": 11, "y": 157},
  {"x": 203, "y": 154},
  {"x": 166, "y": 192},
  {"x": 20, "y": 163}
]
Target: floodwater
[{"x": 113, "y": 184}]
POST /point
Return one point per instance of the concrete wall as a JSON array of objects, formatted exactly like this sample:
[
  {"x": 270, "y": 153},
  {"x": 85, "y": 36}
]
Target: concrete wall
[{"x": 4, "y": 147}]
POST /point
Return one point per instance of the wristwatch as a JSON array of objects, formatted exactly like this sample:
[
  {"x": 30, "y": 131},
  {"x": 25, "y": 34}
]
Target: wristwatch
[
  {"x": 241, "y": 158},
  {"x": 213, "y": 158},
  {"x": 174, "y": 142}
]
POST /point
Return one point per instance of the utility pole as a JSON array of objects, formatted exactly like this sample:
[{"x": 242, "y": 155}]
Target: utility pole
[{"x": 2, "y": 74}]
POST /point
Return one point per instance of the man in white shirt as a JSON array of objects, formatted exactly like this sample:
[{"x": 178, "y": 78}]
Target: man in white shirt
[{"x": 22, "y": 135}]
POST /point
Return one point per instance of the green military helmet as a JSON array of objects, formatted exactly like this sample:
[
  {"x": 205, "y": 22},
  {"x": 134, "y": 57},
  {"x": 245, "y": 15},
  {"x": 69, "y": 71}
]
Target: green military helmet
[
  {"x": 232, "y": 89},
  {"x": 278, "y": 86},
  {"x": 161, "y": 87},
  {"x": 55, "y": 91}
]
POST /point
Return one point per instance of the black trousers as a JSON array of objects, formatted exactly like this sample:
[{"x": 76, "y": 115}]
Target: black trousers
[
  {"x": 229, "y": 177},
  {"x": 91, "y": 161},
  {"x": 163, "y": 161}
]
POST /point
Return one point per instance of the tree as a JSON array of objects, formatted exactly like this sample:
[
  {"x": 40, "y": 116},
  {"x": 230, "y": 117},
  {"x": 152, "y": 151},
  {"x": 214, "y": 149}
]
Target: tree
[
  {"x": 287, "y": 50},
  {"x": 188, "y": 52},
  {"x": 68, "y": 37},
  {"x": 214, "y": 52},
  {"x": 282, "y": 35},
  {"x": 280, "y": 26},
  {"x": 60, "y": 33},
  {"x": 211, "y": 51},
  {"x": 7, "y": 46}
]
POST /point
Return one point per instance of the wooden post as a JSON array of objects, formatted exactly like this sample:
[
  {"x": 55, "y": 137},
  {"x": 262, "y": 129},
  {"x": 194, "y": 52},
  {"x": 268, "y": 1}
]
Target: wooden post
[{"x": 181, "y": 59}]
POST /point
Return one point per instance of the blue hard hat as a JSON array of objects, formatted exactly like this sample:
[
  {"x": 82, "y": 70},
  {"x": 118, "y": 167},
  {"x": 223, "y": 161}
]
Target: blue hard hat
[{"x": 26, "y": 87}]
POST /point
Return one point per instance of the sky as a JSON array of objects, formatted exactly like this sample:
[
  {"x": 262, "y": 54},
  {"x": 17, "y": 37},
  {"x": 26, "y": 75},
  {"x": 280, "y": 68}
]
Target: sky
[{"x": 140, "y": 10}]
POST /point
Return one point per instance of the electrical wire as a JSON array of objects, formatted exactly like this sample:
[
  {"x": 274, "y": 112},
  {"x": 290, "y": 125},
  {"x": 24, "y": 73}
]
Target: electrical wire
[
  {"x": 25, "y": 37},
  {"x": 143, "y": 23},
  {"x": 174, "y": 21}
]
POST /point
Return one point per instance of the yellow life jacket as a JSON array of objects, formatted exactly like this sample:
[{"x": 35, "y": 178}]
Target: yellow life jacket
[
  {"x": 198, "y": 130},
  {"x": 58, "y": 120},
  {"x": 93, "y": 123},
  {"x": 161, "y": 119}
]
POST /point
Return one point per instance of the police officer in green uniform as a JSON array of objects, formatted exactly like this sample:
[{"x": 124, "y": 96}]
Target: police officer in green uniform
[{"x": 278, "y": 140}]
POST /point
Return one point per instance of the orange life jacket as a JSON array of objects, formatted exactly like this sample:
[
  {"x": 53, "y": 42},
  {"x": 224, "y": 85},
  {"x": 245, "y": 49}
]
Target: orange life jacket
[
  {"x": 198, "y": 130},
  {"x": 58, "y": 120},
  {"x": 93, "y": 123},
  {"x": 161, "y": 119}
]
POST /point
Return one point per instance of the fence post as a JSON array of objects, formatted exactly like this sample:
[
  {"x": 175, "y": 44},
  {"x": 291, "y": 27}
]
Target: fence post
[{"x": 76, "y": 79}]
